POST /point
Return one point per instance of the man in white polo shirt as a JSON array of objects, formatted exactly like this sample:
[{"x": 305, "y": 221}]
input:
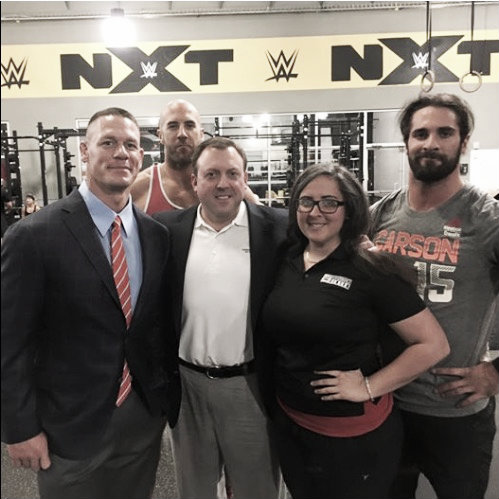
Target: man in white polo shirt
[{"x": 224, "y": 256}]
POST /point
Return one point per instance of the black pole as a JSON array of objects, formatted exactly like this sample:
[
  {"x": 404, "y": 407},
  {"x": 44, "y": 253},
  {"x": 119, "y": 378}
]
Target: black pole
[
  {"x": 16, "y": 164},
  {"x": 58, "y": 164},
  {"x": 361, "y": 129},
  {"x": 304, "y": 140},
  {"x": 58, "y": 169},
  {"x": 43, "y": 167},
  {"x": 370, "y": 157}
]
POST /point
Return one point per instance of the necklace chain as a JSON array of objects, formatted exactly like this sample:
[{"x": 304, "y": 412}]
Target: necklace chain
[{"x": 307, "y": 256}]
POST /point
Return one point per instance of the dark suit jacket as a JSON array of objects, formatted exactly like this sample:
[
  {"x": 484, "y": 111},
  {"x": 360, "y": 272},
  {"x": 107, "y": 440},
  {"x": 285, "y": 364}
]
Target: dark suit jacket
[
  {"x": 64, "y": 336},
  {"x": 267, "y": 228}
]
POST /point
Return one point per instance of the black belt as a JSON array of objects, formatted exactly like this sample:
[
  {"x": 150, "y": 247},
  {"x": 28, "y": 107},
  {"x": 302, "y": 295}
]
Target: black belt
[{"x": 221, "y": 371}]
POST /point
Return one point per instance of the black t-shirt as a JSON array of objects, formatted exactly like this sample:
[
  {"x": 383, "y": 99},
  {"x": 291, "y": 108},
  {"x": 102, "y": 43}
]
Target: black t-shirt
[{"x": 330, "y": 317}]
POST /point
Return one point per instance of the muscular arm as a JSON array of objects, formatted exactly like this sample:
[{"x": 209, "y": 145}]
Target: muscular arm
[
  {"x": 427, "y": 344},
  {"x": 250, "y": 196},
  {"x": 140, "y": 188}
]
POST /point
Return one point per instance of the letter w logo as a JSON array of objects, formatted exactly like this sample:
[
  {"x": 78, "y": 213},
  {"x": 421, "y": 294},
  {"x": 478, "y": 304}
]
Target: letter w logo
[
  {"x": 13, "y": 74},
  {"x": 148, "y": 69},
  {"x": 282, "y": 67}
]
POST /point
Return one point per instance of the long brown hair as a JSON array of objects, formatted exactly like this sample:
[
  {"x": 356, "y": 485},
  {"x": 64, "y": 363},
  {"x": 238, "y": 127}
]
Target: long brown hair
[{"x": 355, "y": 226}]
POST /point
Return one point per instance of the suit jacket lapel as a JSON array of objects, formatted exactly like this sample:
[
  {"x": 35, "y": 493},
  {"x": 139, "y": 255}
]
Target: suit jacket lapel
[
  {"x": 183, "y": 236},
  {"x": 147, "y": 259},
  {"x": 258, "y": 227},
  {"x": 79, "y": 222},
  {"x": 182, "y": 231}
]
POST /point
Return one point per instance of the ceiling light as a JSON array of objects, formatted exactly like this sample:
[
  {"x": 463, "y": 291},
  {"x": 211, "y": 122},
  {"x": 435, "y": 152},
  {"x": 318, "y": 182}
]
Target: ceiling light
[{"x": 118, "y": 30}]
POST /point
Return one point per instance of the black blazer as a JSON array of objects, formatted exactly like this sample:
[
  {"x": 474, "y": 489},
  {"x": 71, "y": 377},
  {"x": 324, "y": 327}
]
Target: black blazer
[
  {"x": 267, "y": 227},
  {"x": 64, "y": 336}
]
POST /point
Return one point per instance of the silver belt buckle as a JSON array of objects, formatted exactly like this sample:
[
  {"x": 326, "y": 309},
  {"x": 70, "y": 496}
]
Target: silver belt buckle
[{"x": 208, "y": 375}]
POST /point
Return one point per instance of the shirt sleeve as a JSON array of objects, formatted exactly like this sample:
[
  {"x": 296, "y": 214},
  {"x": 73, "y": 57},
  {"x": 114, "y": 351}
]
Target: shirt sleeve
[{"x": 395, "y": 299}]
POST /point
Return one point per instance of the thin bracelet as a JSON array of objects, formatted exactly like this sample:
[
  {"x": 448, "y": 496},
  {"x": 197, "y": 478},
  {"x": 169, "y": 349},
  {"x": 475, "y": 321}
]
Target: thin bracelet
[{"x": 368, "y": 388}]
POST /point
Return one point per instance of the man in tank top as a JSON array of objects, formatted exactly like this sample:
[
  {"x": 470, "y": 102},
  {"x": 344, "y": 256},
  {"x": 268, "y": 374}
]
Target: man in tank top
[{"x": 167, "y": 186}]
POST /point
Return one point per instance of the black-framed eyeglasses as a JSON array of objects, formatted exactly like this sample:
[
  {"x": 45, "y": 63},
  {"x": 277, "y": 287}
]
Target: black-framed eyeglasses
[{"x": 326, "y": 205}]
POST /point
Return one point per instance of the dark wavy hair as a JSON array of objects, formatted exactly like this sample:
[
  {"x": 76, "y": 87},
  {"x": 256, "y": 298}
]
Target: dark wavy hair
[
  {"x": 356, "y": 223},
  {"x": 464, "y": 115}
]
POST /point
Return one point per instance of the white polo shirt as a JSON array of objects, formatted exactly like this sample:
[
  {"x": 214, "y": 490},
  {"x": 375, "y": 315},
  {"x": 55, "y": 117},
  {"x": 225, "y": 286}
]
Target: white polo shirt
[{"x": 216, "y": 326}]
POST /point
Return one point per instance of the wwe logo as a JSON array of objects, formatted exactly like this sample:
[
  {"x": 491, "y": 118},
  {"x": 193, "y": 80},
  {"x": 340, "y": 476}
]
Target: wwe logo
[
  {"x": 282, "y": 67},
  {"x": 13, "y": 74},
  {"x": 420, "y": 60},
  {"x": 148, "y": 69}
]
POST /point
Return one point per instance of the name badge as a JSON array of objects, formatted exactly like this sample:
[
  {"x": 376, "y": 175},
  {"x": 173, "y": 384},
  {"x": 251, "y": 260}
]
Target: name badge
[{"x": 337, "y": 280}]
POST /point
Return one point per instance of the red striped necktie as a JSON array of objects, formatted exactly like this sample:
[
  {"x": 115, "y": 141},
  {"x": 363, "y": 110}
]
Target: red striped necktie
[{"x": 120, "y": 275}]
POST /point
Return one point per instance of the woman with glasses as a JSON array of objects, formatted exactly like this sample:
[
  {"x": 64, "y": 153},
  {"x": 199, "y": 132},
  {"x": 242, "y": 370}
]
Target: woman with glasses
[{"x": 336, "y": 431}]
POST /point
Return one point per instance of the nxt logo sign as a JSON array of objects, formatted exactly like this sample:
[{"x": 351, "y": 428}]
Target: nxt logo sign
[
  {"x": 282, "y": 67},
  {"x": 146, "y": 69},
  {"x": 327, "y": 62},
  {"x": 13, "y": 74},
  {"x": 414, "y": 57}
]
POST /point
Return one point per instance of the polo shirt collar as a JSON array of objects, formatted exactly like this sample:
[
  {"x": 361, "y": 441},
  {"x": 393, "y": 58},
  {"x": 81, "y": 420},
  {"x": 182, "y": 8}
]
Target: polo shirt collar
[
  {"x": 241, "y": 219},
  {"x": 339, "y": 253}
]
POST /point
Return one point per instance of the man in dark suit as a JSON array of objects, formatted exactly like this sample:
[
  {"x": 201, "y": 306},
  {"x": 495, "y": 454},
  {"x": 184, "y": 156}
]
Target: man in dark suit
[
  {"x": 224, "y": 255},
  {"x": 82, "y": 281}
]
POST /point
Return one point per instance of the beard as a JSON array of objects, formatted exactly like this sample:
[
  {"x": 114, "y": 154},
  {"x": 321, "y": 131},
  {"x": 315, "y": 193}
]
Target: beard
[
  {"x": 178, "y": 160},
  {"x": 432, "y": 166}
]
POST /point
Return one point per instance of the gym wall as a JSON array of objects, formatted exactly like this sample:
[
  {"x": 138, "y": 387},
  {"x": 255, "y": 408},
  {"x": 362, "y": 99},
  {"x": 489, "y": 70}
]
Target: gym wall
[{"x": 243, "y": 33}]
